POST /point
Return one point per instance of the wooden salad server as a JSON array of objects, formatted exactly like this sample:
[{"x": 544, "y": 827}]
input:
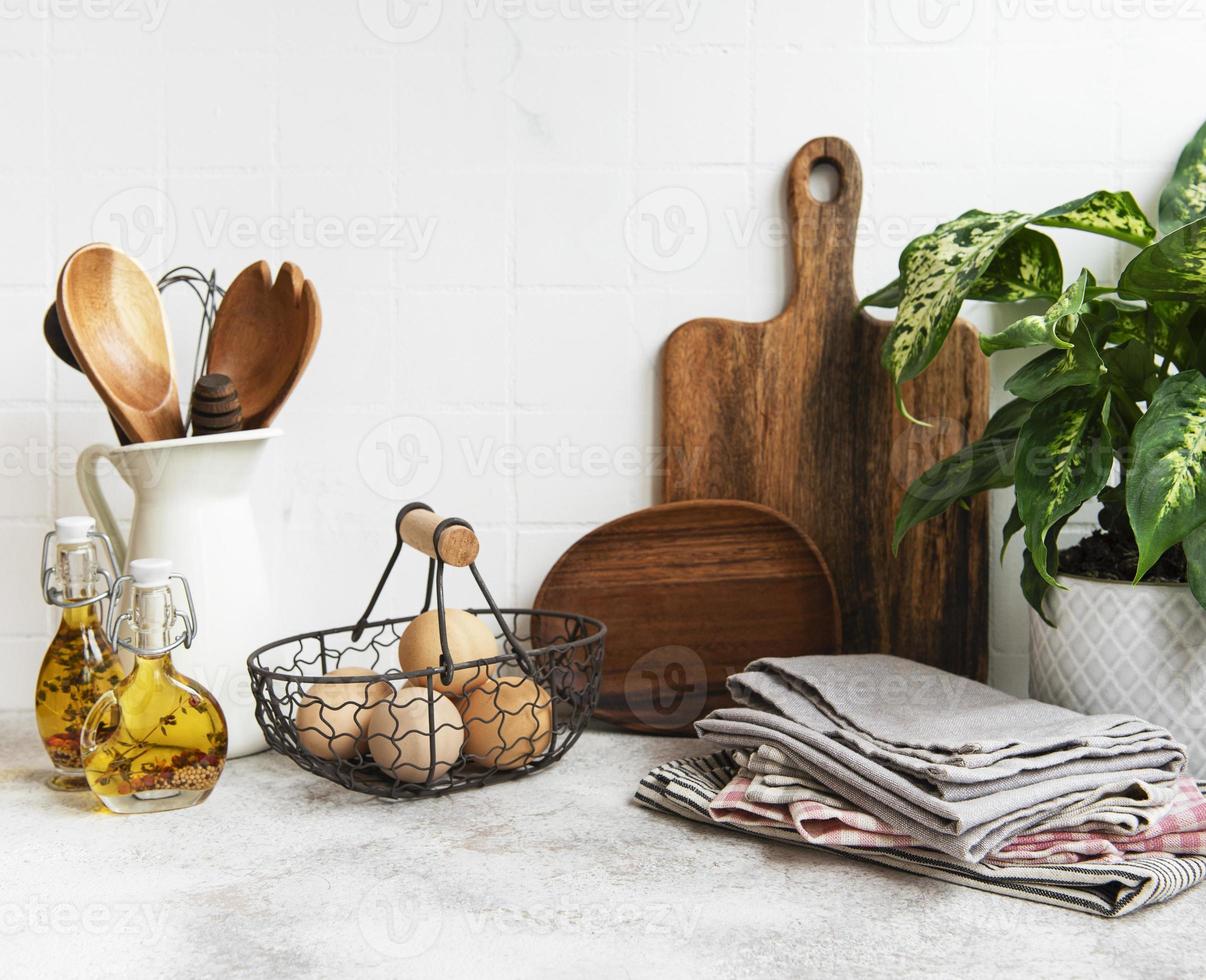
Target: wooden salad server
[{"x": 263, "y": 337}]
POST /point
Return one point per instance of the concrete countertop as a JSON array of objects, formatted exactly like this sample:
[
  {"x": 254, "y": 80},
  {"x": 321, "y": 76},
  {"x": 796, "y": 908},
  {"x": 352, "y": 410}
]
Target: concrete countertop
[{"x": 559, "y": 874}]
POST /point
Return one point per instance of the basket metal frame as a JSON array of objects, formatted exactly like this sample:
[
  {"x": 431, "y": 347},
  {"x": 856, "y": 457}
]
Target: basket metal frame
[{"x": 568, "y": 667}]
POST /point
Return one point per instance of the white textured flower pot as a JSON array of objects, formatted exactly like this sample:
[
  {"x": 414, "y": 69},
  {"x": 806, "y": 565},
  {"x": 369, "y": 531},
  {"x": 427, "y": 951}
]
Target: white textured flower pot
[{"x": 1125, "y": 649}]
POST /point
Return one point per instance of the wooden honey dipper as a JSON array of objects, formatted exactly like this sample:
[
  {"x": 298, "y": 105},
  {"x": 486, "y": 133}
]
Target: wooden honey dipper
[{"x": 215, "y": 406}]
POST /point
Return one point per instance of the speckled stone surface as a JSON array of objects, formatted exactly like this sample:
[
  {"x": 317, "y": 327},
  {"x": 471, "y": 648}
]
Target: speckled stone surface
[{"x": 560, "y": 874}]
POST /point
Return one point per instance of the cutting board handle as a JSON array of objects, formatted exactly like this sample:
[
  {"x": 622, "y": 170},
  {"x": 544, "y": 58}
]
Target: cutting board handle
[{"x": 824, "y": 232}]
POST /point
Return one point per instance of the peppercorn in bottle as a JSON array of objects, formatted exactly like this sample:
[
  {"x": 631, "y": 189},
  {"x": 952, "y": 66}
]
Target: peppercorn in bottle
[{"x": 158, "y": 740}]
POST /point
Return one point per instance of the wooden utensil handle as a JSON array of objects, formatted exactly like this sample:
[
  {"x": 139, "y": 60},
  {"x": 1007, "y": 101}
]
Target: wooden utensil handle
[
  {"x": 824, "y": 232},
  {"x": 458, "y": 544}
]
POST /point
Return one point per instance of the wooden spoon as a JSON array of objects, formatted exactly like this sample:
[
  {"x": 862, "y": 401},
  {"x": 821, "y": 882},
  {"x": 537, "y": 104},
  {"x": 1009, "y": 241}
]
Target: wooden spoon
[
  {"x": 52, "y": 330},
  {"x": 114, "y": 324},
  {"x": 263, "y": 337}
]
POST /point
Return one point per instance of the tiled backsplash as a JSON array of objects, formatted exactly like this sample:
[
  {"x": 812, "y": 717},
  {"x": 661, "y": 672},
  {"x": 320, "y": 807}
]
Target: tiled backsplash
[{"x": 507, "y": 207}]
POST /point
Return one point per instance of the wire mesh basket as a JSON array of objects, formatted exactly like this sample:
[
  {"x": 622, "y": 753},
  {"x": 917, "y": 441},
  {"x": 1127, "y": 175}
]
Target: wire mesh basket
[{"x": 439, "y": 701}]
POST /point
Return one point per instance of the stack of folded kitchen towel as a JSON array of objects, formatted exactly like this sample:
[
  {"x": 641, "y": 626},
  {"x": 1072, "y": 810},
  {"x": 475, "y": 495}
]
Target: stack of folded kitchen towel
[{"x": 915, "y": 767}]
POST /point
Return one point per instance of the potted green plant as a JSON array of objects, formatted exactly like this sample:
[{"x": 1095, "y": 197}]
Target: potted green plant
[{"x": 1112, "y": 408}]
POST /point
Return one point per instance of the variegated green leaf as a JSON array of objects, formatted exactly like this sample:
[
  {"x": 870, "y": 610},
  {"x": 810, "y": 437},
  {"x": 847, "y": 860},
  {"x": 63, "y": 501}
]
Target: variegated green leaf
[
  {"x": 1132, "y": 367},
  {"x": 1034, "y": 587},
  {"x": 1184, "y": 197},
  {"x": 1008, "y": 419},
  {"x": 1012, "y": 525},
  {"x": 1053, "y": 328},
  {"x": 1123, "y": 321},
  {"x": 1174, "y": 268},
  {"x": 1027, "y": 266},
  {"x": 1166, "y": 481},
  {"x": 1034, "y": 583},
  {"x": 1162, "y": 326},
  {"x": 1115, "y": 214},
  {"x": 982, "y": 465},
  {"x": 1175, "y": 313},
  {"x": 887, "y": 298},
  {"x": 1177, "y": 332},
  {"x": 1195, "y": 332},
  {"x": 938, "y": 270},
  {"x": 1063, "y": 458},
  {"x": 1195, "y": 560},
  {"x": 1048, "y": 373}
]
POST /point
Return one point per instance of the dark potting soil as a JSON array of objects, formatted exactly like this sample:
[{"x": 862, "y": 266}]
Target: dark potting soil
[{"x": 1110, "y": 555}]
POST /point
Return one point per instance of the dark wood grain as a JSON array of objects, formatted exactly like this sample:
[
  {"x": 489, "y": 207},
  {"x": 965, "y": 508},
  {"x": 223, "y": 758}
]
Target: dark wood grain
[
  {"x": 797, "y": 413},
  {"x": 690, "y": 593},
  {"x": 215, "y": 407}
]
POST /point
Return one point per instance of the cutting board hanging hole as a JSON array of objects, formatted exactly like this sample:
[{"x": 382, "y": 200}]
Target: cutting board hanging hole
[{"x": 824, "y": 182}]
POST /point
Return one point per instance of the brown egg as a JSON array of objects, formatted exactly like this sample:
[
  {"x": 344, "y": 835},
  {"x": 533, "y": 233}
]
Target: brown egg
[
  {"x": 400, "y": 735},
  {"x": 507, "y": 722},
  {"x": 469, "y": 639},
  {"x": 332, "y": 719}
]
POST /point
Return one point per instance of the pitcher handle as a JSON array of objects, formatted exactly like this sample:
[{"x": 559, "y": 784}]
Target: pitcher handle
[{"x": 94, "y": 497}]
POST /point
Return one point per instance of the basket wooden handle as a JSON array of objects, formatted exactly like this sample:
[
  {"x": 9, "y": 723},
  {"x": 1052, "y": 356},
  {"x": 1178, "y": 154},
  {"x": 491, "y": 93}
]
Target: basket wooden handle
[{"x": 458, "y": 544}]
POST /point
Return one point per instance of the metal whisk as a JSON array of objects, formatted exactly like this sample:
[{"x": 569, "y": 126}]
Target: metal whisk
[{"x": 208, "y": 291}]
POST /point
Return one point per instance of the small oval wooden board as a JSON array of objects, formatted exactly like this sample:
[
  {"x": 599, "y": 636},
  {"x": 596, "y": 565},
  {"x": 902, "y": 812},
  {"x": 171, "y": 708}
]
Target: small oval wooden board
[{"x": 690, "y": 593}]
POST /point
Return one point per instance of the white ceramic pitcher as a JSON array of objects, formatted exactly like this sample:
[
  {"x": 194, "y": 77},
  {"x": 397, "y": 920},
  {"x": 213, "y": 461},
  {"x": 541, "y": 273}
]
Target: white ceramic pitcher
[{"x": 192, "y": 505}]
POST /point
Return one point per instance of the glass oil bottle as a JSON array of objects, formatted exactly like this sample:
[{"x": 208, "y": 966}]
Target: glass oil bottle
[
  {"x": 158, "y": 740},
  {"x": 80, "y": 664}
]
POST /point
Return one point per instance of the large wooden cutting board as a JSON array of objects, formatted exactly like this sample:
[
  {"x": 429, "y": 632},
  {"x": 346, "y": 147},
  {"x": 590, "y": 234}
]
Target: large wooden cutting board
[
  {"x": 797, "y": 413},
  {"x": 691, "y": 593}
]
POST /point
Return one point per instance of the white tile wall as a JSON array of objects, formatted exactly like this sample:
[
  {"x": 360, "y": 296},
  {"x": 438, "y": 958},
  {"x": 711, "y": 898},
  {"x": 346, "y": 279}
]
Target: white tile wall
[{"x": 480, "y": 194}]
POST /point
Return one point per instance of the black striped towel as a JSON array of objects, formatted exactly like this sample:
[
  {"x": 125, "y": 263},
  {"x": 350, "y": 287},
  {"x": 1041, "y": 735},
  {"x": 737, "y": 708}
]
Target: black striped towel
[{"x": 686, "y": 787}]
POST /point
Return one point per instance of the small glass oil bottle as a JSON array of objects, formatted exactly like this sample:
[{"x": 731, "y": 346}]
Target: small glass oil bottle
[
  {"x": 158, "y": 740},
  {"x": 79, "y": 665}
]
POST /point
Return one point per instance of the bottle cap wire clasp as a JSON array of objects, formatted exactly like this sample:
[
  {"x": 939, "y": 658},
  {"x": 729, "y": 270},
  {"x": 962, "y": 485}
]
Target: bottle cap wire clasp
[
  {"x": 75, "y": 530},
  {"x": 115, "y": 623}
]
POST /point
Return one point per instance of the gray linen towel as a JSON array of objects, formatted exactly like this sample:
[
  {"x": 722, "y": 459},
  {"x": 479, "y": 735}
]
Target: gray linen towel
[
  {"x": 966, "y": 829},
  {"x": 968, "y": 774},
  {"x": 686, "y": 788},
  {"x": 1142, "y": 804},
  {"x": 954, "y": 763},
  {"x": 945, "y": 729}
]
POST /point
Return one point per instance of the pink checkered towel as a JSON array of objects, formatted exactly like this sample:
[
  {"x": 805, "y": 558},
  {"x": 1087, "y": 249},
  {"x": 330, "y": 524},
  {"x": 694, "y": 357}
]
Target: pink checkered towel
[
  {"x": 685, "y": 788},
  {"x": 1180, "y": 830}
]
